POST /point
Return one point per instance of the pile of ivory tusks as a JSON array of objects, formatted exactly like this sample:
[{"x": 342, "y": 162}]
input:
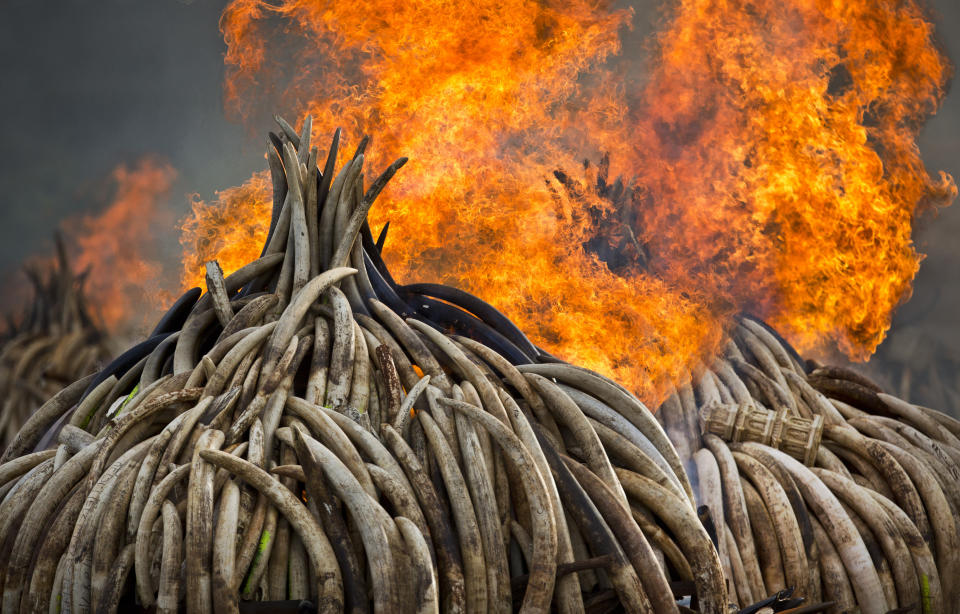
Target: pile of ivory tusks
[
  {"x": 874, "y": 522},
  {"x": 52, "y": 343},
  {"x": 308, "y": 429}
]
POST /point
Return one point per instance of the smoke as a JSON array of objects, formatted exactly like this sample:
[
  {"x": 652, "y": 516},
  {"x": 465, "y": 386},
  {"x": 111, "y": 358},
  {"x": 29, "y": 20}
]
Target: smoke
[
  {"x": 117, "y": 247},
  {"x": 114, "y": 251}
]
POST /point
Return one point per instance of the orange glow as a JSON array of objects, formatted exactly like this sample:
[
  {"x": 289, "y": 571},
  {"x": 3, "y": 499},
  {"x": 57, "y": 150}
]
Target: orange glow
[
  {"x": 116, "y": 245},
  {"x": 759, "y": 187},
  {"x": 232, "y": 229},
  {"x": 778, "y": 139}
]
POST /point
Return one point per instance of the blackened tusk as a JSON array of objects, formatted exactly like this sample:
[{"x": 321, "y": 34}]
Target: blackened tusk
[
  {"x": 844, "y": 373},
  {"x": 851, "y": 392},
  {"x": 592, "y": 525},
  {"x": 518, "y": 584},
  {"x": 279, "y": 182},
  {"x": 385, "y": 292},
  {"x": 366, "y": 237},
  {"x": 63, "y": 262},
  {"x": 783, "y": 595},
  {"x": 706, "y": 519},
  {"x": 288, "y": 131},
  {"x": 122, "y": 363},
  {"x": 177, "y": 314},
  {"x": 796, "y": 602},
  {"x": 481, "y": 309},
  {"x": 335, "y": 526},
  {"x": 467, "y": 325},
  {"x": 545, "y": 356},
  {"x": 277, "y": 607},
  {"x": 327, "y": 177},
  {"x": 361, "y": 147},
  {"x": 277, "y": 142},
  {"x": 381, "y": 182},
  {"x": 382, "y": 238},
  {"x": 370, "y": 247}
]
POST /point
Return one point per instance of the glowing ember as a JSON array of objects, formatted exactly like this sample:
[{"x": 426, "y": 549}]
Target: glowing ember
[
  {"x": 774, "y": 143},
  {"x": 116, "y": 245}
]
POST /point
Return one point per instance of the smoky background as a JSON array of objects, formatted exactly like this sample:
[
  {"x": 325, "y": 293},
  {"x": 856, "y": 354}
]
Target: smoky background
[{"x": 86, "y": 87}]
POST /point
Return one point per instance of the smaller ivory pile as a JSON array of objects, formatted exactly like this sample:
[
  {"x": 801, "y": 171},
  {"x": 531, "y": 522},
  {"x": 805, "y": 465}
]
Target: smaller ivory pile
[
  {"x": 52, "y": 344},
  {"x": 309, "y": 429},
  {"x": 870, "y": 522}
]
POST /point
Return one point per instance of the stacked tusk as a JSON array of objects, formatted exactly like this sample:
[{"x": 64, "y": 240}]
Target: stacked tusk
[
  {"x": 850, "y": 495},
  {"x": 55, "y": 341}
]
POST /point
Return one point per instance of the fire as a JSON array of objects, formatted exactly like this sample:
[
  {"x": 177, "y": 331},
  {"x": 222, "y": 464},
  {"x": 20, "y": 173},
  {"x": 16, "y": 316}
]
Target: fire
[
  {"x": 233, "y": 228},
  {"x": 778, "y": 139},
  {"x": 771, "y": 148},
  {"x": 116, "y": 245}
]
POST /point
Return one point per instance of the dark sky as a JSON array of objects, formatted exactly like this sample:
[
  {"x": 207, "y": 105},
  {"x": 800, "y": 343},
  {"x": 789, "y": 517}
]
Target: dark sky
[{"x": 87, "y": 86}]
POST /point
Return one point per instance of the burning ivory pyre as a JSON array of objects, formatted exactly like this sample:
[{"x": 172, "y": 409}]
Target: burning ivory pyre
[{"x": 310, "y": 430}]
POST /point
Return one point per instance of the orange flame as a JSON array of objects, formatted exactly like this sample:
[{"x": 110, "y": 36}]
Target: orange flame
[
  {"x": 116, "y": 244},
  {"x": 778, "y": 140},
  {"x": 773, "y": 143},
  {"x": 233, "y": 228}
]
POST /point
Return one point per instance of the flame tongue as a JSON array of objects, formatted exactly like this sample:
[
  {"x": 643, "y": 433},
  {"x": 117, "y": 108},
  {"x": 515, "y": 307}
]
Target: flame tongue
[
  {"x": 117, "y": 246},
  {"x": 778, "y": 143},
  {"x": 774, "y": 146}
]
